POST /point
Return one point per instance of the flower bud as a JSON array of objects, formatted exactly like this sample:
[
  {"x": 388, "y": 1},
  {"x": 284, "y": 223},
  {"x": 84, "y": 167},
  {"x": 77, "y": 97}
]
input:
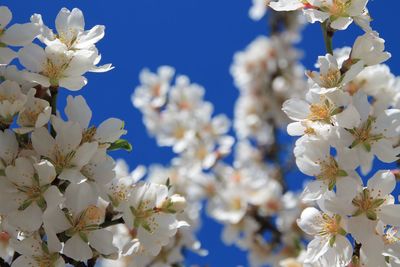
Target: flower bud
[{"x": 178, "y": 202}]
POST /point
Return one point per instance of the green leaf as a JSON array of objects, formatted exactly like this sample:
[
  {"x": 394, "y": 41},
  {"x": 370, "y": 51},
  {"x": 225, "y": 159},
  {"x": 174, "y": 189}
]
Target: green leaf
[
  {"x": 120, "y": 144},
  {"x": 342, "y": 173}
]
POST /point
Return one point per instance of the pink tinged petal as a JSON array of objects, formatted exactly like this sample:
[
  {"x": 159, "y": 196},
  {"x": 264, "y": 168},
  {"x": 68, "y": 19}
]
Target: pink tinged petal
[
  {"x": 382, "y": 183},
  {"x": 390, "y": 214},
  {"x": 7, "y": 55},
  {"x": 5, "y": 16},
  {"x": 77, "y": 249},
  {"x": 110, "y": 131},
  {"x": 78, "y": 110},
  {"x": 101, "y": 240},
  {"x": 20, "y": 34},
  {"x": 341, "y": 23},
  {"x": 309, "y": 221},
  {"x": 296, "y": 109},
  {"x": 32, "y": 57},
  {"x": 79, "y": 197}
]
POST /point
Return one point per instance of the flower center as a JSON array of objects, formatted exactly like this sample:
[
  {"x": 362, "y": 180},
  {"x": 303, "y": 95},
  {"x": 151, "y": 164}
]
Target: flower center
[
  {"x": 331, "y": 79},
  {"x": 319, "y": 112},
  {"x": 337, "y": 8},
  {"x": 364, "y": 136},
  {"x": 88, "y": 134},
  {"x": 68, "y": 38},
  {"x": 55, "y": 71},
  {"x": 365, "y": 203}
]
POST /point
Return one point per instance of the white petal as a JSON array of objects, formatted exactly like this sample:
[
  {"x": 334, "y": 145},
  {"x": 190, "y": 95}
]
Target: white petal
[
  {"x": 5, "y": 16},
  {"x": 383, "y": 149},
  {"x": 79, "y": 197},
  {"x": 84, "y": 154},
  {"x": 110, "y": 131},
  {"x": 78, "y": 110},
  {"x": 73, "y": 83},
  {"x": 341, "y": 23},
  {"x": 42, "y": 142},
  {"x": 296, "y": 109},
  {"x": 20, "y": 34},
  {"x": 77, "y": 249},
  {"x": 91, "y": 37},
  {"x": 382, "y": 183},
  {"x": 32, "y": 57},
  {"x": 309, "y": 219},
  {"x": 6, "y": 55},
  {"x": 313, "y": 191},
  {"x": 390, "y": 214},
  {"x": 286, "y": 5},
  {"x": 101, "y": 240}
]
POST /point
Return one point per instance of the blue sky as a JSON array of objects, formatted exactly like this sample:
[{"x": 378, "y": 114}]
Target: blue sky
[{"x": 198, "y": 38}]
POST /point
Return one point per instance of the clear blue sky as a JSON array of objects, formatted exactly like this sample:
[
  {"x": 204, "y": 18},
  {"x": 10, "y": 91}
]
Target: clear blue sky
[{"x": 198, "y": 38}]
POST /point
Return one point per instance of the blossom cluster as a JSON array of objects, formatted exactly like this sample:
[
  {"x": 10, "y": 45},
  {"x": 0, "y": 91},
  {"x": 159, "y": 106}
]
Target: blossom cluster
[
  {"x": 349, "y": 116},
  {"x": 248, "y": 196},
  {"x": 60, "y": 193},
  {"x": 345, "y": 113}
]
